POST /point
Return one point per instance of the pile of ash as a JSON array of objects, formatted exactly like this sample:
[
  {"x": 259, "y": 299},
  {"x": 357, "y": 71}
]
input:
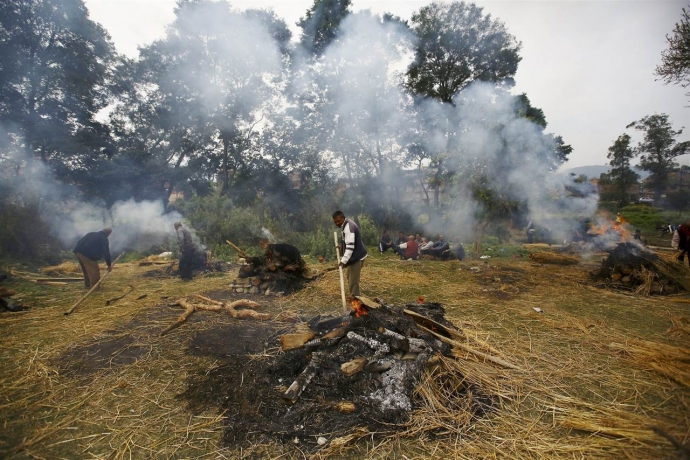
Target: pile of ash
[
  {"x": 334, "y": 375},
  {"x": 632, "y": 267}
]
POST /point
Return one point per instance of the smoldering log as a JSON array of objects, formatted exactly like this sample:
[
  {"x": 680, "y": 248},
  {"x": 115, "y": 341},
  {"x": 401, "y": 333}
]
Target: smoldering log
[{"x": 295, "y": 390}]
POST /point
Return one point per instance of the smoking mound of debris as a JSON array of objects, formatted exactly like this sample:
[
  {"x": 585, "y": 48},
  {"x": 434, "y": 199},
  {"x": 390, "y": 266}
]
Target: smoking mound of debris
[
  {"x": 333, "y": 376},
  {"x": 630, "y": 266}
]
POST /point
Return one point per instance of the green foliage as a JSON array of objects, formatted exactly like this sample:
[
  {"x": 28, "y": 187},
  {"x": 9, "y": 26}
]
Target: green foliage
[
  {"x": 320, "y": 25},
  {"x": 454, "y": 40},
  {"x": 57, "y": 68},
  {"x": 491, "y": 246},
  {"x": 658, "y": 149},
  {"x": 678, "y": 200},
  {"x": 23, "y": 234},
  {"x": 675, "y": 61},
  {"x": 369, "y": 231},
  {"x": 322, "y": 244},
  {"x": 131, "y": 256}
]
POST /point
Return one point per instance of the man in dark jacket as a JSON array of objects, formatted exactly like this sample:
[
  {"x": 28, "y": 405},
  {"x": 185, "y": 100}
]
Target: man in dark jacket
[
  {"x": 385, "y": 243},
  {"x": 90, "y": 249},
  {"x": 354, "y": 251}
]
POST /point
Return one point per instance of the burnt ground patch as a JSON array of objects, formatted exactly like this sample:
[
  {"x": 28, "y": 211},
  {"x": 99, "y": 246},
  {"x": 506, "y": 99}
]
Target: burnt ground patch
[
  {"x": 251, "y": 375},
  {"x": 105, "y": 354}
]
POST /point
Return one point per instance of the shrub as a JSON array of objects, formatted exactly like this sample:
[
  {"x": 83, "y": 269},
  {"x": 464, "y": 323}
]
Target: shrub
[{"x": 369, "y": 231}]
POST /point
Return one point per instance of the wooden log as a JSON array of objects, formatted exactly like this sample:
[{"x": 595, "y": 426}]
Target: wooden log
[
  {"x": 431, "y": 324},
  {"x": 189, "y": 309},
  {"x": 367, "y": 302},
  {"x": 7, "y": 292},
  {"x": 243, "y": 303},
  {"x": 380, "y": 348},
  {"x": 298, "y": 386},
  {"x": 353, "y": 367},
  {"x": 239, "y": 251},
  {"x": 256, "y": 281},
  {"x": 65, "y": 280},
  {"x": 206, "y": 299},
  {"x": 250, "y": 314},
  {"x": 295, "y": 341},
  {"x": 335, "y": 333}
]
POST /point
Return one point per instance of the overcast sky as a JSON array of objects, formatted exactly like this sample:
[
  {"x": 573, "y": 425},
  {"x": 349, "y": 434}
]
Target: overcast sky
[{"x": 588, "y": 64}]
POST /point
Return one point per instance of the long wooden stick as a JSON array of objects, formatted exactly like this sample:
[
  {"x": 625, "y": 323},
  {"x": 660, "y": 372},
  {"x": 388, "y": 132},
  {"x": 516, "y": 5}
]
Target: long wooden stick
[
  {"x": 471, "y": 350},
  {"x": 93, "y": 288},
  {"x": 239, "y": 251},
  {"x": 340, "y": 269}
]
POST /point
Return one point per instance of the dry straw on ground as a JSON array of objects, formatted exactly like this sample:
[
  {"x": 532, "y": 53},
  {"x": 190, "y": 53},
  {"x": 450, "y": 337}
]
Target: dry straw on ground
[{"x": 602, "y": 374}]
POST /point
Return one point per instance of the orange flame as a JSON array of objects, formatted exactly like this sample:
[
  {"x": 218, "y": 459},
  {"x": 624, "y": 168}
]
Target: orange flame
[
  {"x": 420, "y": 299},
  {"x": 359, "y": 308},
  {"x": 607, "y": 226}
]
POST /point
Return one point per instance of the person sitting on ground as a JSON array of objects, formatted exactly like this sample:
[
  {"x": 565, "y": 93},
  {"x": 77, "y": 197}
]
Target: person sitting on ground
[
  {"x": 418, "y": 238},
  {"x": 441, "y": 248},
  {"x": 638, "y": 235},
  {"x": 400, "y": 241},
  {"x": 458, "y": 250},
  {"x": 411, "y": 249},
  {"x": 426, "y": 245},
  {"x": 385, "y": 243}
]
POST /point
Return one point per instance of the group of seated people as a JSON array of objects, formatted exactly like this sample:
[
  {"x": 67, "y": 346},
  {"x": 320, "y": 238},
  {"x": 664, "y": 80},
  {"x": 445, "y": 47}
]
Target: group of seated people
[{"x": 415, "y": 246}]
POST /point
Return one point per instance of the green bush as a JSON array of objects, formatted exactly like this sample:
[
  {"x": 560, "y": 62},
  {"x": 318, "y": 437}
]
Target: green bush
[
  {"x": 322, "y": 244},
  {"x": 369, "y": 231},
  {"x": 24, "y": 234}
]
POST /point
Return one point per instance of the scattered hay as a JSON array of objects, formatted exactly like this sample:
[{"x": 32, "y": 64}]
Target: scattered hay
[
  {"x": 553, "y": 258},
  {"x": 63, "y": 269},
  {"x": 573, "y": 398},
  {"x": 668, "y": 360}
]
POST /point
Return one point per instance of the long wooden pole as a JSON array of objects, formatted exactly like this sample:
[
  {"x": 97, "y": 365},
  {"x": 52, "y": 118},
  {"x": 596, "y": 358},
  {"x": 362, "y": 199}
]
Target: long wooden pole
[
  {"x": 93, "y": 288},
  {"x": 340, "y": 269},
  {"x": 239, "y": 251}
]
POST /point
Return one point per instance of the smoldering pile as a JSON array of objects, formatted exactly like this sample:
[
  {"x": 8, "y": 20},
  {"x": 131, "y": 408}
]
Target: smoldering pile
[
  {"x": 339, "y": 375},
  {"x": 279, "y": 271},
  {"x": 631, "y": 266}
]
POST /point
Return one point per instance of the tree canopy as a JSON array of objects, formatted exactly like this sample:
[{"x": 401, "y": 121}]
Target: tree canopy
[
  {"x": 458, "y": 44},
  {"x": 675, "y": 61},
  {"x": 658, "y": 149}
]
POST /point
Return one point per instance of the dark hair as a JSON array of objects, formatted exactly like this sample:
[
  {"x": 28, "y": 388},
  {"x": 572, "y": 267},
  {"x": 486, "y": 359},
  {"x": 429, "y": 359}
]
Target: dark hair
[{"x": 338, "y": 214}]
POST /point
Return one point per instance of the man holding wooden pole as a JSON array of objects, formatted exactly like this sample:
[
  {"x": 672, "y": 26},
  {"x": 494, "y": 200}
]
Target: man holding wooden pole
[
  {"x": 354, "y": 252},
  {"x": 90, "y": 249}
]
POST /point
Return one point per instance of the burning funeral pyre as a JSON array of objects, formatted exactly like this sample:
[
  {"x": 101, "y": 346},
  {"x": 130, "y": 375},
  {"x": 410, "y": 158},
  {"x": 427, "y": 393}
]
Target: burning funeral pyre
[
  {"x": 279, "y": 271},
  {"x": 343, "y": 374},
  {"x": 631, "y": 266}
]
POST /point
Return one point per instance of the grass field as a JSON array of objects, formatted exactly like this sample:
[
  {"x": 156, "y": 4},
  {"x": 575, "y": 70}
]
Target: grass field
[{"x": 603, "y": 373}]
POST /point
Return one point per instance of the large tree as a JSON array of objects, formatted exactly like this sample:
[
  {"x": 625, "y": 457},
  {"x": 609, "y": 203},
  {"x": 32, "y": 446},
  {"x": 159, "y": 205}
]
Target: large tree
[
  {"x": 206, "y": 88},
  {"x": 675, "y": 61},
  {"x": 658, "y": 149},
  {"x": 622, "y": 176},
  {"x": 320, "y": 25},
  {"x": 55, "y": 76},
  {"x": 458, "y": 44}
]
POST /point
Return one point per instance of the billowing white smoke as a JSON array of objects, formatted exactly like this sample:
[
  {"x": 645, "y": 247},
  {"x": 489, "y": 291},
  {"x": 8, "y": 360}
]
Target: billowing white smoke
[
  {"x": 135, "y": 225},
  {"x": 481, "y": 137}
]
